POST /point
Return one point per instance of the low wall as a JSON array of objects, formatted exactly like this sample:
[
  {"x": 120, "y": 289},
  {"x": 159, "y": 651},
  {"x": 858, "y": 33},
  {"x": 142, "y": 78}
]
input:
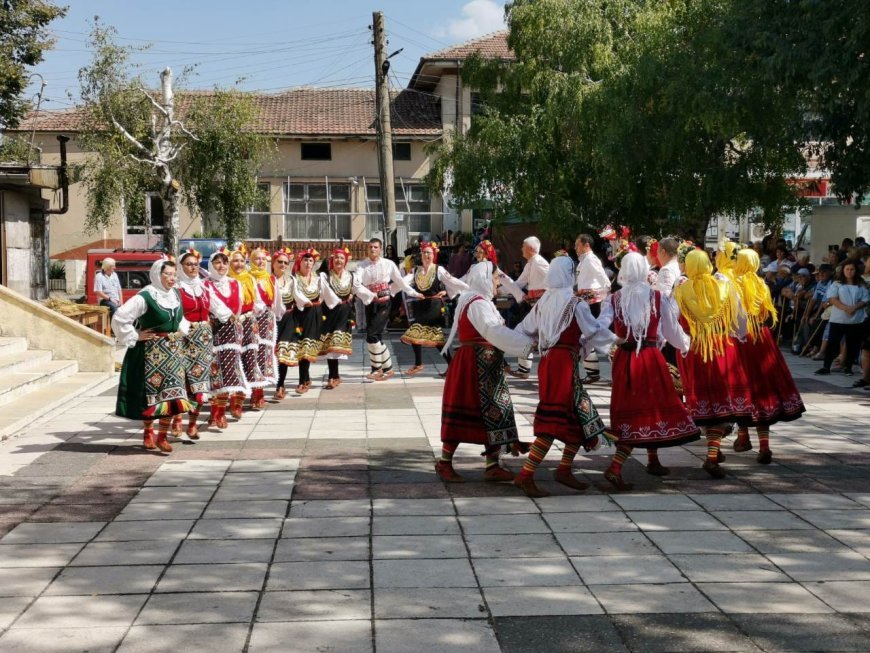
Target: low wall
[{"x": 46, "y": 329}]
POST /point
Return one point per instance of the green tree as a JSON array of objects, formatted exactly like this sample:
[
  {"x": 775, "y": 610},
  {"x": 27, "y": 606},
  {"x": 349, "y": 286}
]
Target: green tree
[
  {"x": 631, "y": 112},
  {"x": 23, "y": 40},
  {"x": 207, "y": 156}
]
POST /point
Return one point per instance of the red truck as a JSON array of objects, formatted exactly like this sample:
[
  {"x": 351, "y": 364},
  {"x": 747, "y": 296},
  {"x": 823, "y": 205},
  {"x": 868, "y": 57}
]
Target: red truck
[{"x": 133, "y": 266}]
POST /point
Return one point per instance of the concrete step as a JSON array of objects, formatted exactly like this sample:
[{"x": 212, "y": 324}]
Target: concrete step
[
  {"x": 10, "y": 345},
  {"x": 46, "y": 398},
  {"x": 22, "y": 361},
  {"x": 14, "y": 386}
]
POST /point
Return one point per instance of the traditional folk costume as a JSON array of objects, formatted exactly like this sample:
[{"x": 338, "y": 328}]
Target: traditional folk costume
[
  {"x": 252, "y": 307},
  {"x": 199, "y": 306},
  {"x": 565, "y": 412},
  {"x": 645, "y": 411},
  {"x": 476, "y": 405},
  {"x": 267, "y": 326},
  {"x": 666, "y": 280},
  {"x": 593, "y": 285},
  {"x": 340, "y": 292},
  {"x": 152, "y": 384},
  {"x": 775, "y": 396},
  {"x": 533, "y": 279},
  {"x": 309, "y": 317},
  {"x": 285, "y": 329},
  {"x": 383, "y": 279},
  {"x": 716, "y": 389},
  {"x": 427, "y": 314},
  {"x": 227, "y": 373}
]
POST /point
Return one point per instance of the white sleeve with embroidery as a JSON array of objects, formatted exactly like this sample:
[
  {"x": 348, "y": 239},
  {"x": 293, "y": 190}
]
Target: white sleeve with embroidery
[
  {"x": 122, "y": 320},
  {"x": 489, "y": 324}
]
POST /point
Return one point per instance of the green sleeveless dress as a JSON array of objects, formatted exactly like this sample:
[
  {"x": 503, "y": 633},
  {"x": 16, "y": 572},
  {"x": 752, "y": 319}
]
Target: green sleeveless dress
[{"x": 152, "y": 381}]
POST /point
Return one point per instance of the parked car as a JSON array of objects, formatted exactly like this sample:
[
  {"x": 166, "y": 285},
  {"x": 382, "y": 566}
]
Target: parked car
[{"x": 132, "y": 269}]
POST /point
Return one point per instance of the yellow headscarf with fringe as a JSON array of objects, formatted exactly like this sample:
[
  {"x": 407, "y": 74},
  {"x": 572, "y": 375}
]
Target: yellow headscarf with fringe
[
  {"x": 754, "y": 293},
  {"x": 726, "y": 258},
  {"x": 246, "y": 281},
  {"x": 262, "y": 274},
  {"x": 708, "y": 305}
]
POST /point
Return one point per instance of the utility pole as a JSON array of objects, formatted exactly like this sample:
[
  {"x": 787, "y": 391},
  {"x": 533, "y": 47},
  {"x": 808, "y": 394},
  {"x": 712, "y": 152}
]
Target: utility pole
[{"x": 385, "y": 134}]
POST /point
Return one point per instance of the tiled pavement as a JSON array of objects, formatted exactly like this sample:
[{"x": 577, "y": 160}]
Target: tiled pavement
[{"x": 318, "y": 525}]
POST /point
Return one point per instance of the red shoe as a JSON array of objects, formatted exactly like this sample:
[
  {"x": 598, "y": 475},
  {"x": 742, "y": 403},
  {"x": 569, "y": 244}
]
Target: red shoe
[
  {"x": 446, "y": 472},
  {"x": 280, "y": 393},
  {"x": 568, "y": 479},
  {"x": 741, "y": 444},
  {"x": 175, "y": 428},
  {"x": 713, "y": 469},
  {"x": 193, "y": 432},
  {"x": 616, "y": 481},
  {"x": 222, "y": 420},
  {"x": 148, "y": 439},
  {"x": 527, "y": 484},
  {"x": 162, "y": 444},
  {"x": 498, "y": 474},
  {"x": 657, "y": 469},
  {"x": 764, "y": 457}
]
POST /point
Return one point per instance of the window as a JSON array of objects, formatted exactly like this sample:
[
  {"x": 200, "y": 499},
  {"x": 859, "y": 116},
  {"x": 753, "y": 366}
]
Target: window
[
  {"x": 401, "y": 151},
  {"x": 259, "y": 223},
  {"x": 316, "y": 211},
  {"x": 316, "y": 151},
  {"x": 150, "y": 211},
  {"x": 414, "y": 210}
]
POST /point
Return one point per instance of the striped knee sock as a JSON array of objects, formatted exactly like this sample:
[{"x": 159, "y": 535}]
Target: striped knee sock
[
  {"x": 447, "y": 451},
  {"x": 763, "y": 438},
  {"x": 568, "y": 455},
  {"x": 164, "y": 424},
  {"x": 714, "y": 440},
  {"x": 622, "y": 454},
  {"x": 539, "y": 450}
]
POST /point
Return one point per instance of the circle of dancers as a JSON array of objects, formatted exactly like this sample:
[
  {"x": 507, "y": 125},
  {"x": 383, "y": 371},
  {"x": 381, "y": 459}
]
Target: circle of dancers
[{"x": 689, "y": 340}]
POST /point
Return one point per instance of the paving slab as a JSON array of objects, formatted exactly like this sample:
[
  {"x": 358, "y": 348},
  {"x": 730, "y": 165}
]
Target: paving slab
[
  {"x": 676, "y": 633},
  {"x": 315, "y": 605},
  {"x": 82, "y": 611},
  {"x": 198, "y": 608},
  {"x": 206, "y": 552},
  {"x": 227, "y": 638},
  {"x": 626, "y": 570},
  {"x": 541, "y": 600},
  {"x": 350, "y": 636},
  {"x": 59, "y": 533},
  {"x": 558, "y": 633},
  {"x": 802, "y": 632},
  {"x": 664, "y": 598},
  {"x": 37, "y": 555},
  {"x": 333, "y": 574},
  {"x": 213, "y": 577},
  {"x": 93, "y": 581},
  {"x": 423, "y": 603},
  {"x": 62, "y": 640},
  {"x": 435, "y": 636},
  {"x": 445, "y": 572}
]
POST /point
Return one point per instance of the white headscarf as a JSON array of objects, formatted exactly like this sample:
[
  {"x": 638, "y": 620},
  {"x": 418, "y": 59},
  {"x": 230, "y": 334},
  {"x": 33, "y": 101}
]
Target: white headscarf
[
  {"x": 191, "y": 285},
  {"x": 221, "y": 281},
  {"x": 634, "y": 302},
  {"x": 165, "y": 297},
  {"x": 555, "y": 309},
  {"x": 479, "y": 281}
]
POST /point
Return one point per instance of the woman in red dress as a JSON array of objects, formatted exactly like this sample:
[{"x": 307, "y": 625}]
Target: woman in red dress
[
  {"x": 716, "y": 389},
  {"x": 645, "y": 410},
  {"x": 199, "y": 306},
  {"x": 252, "y": 306},
  {"x": 476, "y": 406},
  {"x": 775, "y": 396},
  {"x": 565, "y": 412},
  {"x": 267, "y": 321}
]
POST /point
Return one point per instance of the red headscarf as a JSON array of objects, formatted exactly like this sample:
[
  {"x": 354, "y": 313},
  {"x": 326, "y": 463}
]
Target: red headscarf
[
  {"x": 489, "y": 250},
  {"x": 433, "y": 247},
  {"x": 310, "y": 252},
  {"x": 283, "y": 251},
  {"x": 339, "y": 251}
]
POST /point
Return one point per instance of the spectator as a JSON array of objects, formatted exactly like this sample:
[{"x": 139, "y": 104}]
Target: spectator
[
  {"x": 780, "y": 260},
  {"x": 107, "y": 286},
  {"x": 814, "y": 324},
  {"x": 459, "y": 262},
  {"x": 849, "y": 298}
]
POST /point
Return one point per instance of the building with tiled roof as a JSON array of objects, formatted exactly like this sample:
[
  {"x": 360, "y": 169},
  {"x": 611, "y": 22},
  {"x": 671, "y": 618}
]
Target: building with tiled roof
[{"x": 434, "y": 66}]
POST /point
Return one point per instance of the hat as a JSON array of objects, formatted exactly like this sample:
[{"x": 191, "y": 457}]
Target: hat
[{"x": 804, "y": 272}]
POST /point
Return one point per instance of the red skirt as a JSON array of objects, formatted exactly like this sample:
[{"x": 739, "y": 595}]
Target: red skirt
[
  {"x": 476, "y": 407},
  {"x": 717, "y": 390},
  {"x": 565, "y": 411},
  {"x": 645, "y": 410},
  {"x": 774, "y": 393}
]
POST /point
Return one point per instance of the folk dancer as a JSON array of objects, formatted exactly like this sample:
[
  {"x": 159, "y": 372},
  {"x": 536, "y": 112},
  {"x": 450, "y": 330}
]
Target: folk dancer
[
  {"x": 227, "y": 373},
  {"x": 152, "y": 384},
  {"x": 267, "y": 321},
  {"x": 645, "y": 411},
  {"x": 309, "y": 314},
  {"x": 533, "y": 279},
  {"x": 199, "y": 305},
  {"x": 565, "y": 412},
  {"x": 476, "y": 405},
  {"x": 285, "y": 348},
  {"x": 252, "y": 306},
  {"x": 775, "y": 397},
  {"x": 715, "y": 386},
  {"x": 593, "y": 285},
  {"x": 340, "y": 290},
  {"x": 381, "y": 276},
  {"x": 434, "y": 283},
  {"x": 667, "y": 279}
]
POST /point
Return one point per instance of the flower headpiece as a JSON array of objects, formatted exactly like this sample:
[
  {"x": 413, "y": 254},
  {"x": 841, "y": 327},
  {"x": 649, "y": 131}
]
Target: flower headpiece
[
  {"x": 624, "y": 248},
  {"x": 305, "y": 253},
  {"x": 433, "y": 247},
  {"x": 191, "y": 251},
  {"x": 240, "y": 249},
  {"x": 284, "y": 251},
  {"x": 489, "y": 251},
  {"x": 653, "y": 249},
  {"x": 683, "y": 250},
  {"x": 339, "y": 251}
]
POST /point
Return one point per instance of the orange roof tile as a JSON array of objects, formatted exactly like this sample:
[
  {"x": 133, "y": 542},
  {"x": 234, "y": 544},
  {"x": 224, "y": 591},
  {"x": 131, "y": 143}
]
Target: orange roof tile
[
  {"x": 490, "y": 46},
  {"x": 302, "y": 112}
]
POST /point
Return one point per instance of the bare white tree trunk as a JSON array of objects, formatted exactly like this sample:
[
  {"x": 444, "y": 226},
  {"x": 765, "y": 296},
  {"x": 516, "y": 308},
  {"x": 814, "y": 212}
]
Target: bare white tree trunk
[{"x": 166, "y": 151}]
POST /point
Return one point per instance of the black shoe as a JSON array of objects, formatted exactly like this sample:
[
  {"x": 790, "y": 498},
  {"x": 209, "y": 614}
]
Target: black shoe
[
  {"x": 848, "y": 371},
  {"x": 591, "y": 378},
  {"x": 823, "y": 371},
  {"x": 860, "y": 383}
]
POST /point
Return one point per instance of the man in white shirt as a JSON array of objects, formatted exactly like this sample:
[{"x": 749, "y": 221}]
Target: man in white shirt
[
  {"x": 593, "y": 285},
  {"x": 107, "y": 286},
  {"x": 382, "y": 277},
  {"x": 534, "y": 280},
  {"x": 669, "y": 274}
]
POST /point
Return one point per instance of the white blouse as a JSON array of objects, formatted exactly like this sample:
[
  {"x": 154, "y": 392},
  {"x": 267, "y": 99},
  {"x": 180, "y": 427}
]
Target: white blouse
[
  {"x": 357, "y": 289},
  {"x": 486, "y": 319},
  {"x": 452, "y": 285},
  {"x": 128, "y": 313}
]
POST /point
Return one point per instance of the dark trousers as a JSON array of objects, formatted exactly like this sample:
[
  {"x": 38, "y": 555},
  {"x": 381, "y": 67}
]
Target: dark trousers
[{"x": 853, "y": 334}]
